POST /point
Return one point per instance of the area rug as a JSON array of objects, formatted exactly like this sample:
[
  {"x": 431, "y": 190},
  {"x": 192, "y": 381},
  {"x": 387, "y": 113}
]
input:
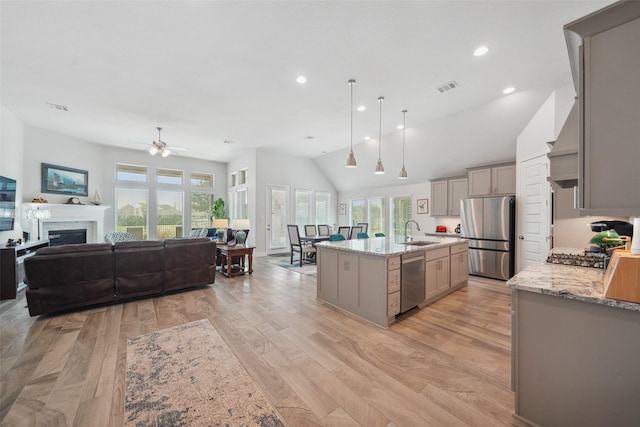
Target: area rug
[
  {"x": 285, "y": 262},
  {"x": 187, "y": 376}
]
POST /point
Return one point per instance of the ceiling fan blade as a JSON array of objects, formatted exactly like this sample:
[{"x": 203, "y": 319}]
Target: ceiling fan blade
[{"x": 146, "y": 145}]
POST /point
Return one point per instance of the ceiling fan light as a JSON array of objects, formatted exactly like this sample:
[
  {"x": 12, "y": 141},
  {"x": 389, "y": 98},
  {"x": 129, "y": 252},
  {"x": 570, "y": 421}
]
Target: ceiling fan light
[
  {"x": 165, "y": 152},
  {"x": 153, "y": 150},
  {"x": 351, "y": 161}
]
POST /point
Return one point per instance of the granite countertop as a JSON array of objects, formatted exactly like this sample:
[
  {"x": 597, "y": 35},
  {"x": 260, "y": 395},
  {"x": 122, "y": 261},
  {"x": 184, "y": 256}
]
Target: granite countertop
[
  {"x": 387, "y": 246},
  {"x": 447, "y": 234},
  {"x": 577, "y": 283}
]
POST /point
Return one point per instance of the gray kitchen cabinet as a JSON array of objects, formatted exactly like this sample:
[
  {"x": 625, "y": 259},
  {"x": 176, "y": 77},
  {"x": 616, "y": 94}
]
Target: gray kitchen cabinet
[
  {"x": 436, "y": 272},
  {"x": 459, "y": 263},
  {"x": 493, "y": 180},
  {"x": 446, "y": 195},
  {"x": 607, "y": 77}
]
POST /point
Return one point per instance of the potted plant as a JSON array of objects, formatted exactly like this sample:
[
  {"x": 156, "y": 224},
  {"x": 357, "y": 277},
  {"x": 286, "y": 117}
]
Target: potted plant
[{"x": 217, "y": 212}]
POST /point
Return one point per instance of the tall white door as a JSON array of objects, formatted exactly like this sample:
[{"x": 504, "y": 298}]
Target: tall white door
[
  {"x": 534, "y": 212},
  {"x": 278, "y": 208}
]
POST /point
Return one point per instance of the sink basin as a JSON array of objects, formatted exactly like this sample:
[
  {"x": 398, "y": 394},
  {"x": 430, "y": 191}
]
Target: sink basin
[{"x": 419, "y": 243}]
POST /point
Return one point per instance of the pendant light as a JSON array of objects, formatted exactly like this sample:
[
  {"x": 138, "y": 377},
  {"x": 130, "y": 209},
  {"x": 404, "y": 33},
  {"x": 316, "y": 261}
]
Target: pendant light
[
  {"x": 351, "y": 161},
  {"x": 379, "y": 167},
  {"x": 403, "y": 172}
]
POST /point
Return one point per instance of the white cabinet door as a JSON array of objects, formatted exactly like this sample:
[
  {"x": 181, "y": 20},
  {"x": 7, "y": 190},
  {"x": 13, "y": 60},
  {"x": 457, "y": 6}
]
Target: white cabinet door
[
  {"x": 459, "y": 268},
  {"x": 442, "y": 275},
  {"x": 504, "y": 179},
  {"x": 431, "y": 279},
  {"x": 439, "y": 198},
  {"x": 458, "y": 190},
  {"x": 480, "y": 182}
]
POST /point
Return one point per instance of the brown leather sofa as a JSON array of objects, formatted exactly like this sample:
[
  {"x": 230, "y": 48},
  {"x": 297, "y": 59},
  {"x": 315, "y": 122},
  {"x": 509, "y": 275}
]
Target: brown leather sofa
[{"x": 71, "y": 276}]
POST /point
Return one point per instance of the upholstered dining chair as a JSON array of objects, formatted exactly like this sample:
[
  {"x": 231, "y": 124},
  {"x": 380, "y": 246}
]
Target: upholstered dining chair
[
  {"x": 336, "y": 237},
  {"x": 323, "y": 230},
  {"x": 310, "y": 230},
  {"x": 344, "y": 231},
  {"x": 354, "y": 231},
  {"x": 364, "y": 225},
  {"x": 297, "y": 246},
  {"x": 362, "y": 236},
  {"x": 118, "y": 236}
]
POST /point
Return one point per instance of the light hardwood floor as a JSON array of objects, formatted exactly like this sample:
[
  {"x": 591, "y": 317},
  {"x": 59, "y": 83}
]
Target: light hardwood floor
[{"x": 446, "y": 365}]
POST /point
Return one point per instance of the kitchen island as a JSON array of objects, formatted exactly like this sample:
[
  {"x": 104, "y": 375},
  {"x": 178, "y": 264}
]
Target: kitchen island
[
  {"x": 575, "y": 354},
  {"x": 363, "y": 276}
]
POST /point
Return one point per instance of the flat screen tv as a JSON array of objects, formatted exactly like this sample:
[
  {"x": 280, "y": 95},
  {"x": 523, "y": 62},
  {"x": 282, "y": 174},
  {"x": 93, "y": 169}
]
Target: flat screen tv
[{"x": 7, "y": 203}]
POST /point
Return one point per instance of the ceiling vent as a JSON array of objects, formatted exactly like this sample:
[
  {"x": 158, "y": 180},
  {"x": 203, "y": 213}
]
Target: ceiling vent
[{"x": 447, "y": 87}]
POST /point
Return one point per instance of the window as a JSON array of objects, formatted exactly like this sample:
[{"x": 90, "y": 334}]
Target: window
[
  {"x": 242, "y": 177},
  {"x": 357, "y": 211},
  {"x": 322, "y": 207},
  {"x": 132, "y": 211},
  {"x": 204, "y": 180},
  {"x": 303, "y": 207},
  {"x": 241, "y": 204},
  {"x": 400, "y": 213},
  {"x": 376, "y": 215},
  {"x": 169, "y": 176},
  {"x": 131, "y": 173},
  {"x": 201, "y": 206},
  {"x": 170, "y": 214}
]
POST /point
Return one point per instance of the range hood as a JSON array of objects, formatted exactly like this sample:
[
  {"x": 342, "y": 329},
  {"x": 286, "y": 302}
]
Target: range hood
[{"x": 563, "y": 157}]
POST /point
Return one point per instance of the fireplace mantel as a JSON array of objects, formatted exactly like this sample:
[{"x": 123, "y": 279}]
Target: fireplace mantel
[{"x": 61, "y": 213}]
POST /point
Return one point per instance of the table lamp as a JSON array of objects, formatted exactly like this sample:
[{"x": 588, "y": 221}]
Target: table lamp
[
  {"x": 241, "y": 226},
  {"x": 221, "y": 225}
]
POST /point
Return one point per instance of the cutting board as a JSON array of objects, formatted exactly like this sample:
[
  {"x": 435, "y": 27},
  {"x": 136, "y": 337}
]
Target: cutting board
[{"x": 622, "y": 278}]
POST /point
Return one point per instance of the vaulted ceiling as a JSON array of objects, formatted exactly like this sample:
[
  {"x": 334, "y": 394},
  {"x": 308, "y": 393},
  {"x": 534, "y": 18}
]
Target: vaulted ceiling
[{"x": 216, "y": 71}]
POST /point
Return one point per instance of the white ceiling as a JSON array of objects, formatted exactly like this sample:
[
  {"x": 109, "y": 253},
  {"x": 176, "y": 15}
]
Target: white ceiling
[{"x": 212, "y": 71}]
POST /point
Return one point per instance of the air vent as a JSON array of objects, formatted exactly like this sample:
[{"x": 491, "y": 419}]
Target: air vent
[
  {"x": 226, "y": 141},
  {"x": 447, "y": 87},
  {"x": 309, "y": 137},
  {"x": 58, "y": 106}
]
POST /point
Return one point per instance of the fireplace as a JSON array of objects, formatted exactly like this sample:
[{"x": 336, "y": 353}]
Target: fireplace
[
  {"x": 67, "y": 237},
  {"x": 70, "y": 217}
]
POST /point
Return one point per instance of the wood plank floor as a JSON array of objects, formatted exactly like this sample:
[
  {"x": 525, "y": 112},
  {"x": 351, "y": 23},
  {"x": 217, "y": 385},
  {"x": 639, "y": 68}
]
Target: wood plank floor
[{"x": 446, "y": 365}]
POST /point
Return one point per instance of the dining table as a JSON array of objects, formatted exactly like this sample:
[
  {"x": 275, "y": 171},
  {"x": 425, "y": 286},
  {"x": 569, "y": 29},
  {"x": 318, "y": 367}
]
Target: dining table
[{"x": 314, "y": 239}]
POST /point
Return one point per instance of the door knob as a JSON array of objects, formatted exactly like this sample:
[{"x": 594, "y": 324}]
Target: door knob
[{"x": 521, "y": 237}]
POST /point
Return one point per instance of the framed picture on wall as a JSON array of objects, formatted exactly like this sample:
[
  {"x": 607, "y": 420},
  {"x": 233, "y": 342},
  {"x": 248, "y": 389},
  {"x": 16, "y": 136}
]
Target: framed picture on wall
[
  {"x": 343, "y": 208},
  {"x": 423, "y": 206},
  {"x": 64, "y": 180}
]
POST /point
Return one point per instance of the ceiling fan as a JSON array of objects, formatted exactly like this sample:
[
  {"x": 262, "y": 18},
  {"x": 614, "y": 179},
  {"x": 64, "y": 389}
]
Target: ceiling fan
[{"x": 158, "y": 146}]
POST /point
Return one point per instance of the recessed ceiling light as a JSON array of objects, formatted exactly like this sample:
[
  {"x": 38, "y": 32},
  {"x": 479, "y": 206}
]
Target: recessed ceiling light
[
  {"x": 366, "y": 138},
  {"x": 480, "y": 51},
  {"x": 301, "y": 79},
  {"x": 508, "y": 90},
  {"x": 400, "y": 127},
  {"x": 361, "y": 108}
]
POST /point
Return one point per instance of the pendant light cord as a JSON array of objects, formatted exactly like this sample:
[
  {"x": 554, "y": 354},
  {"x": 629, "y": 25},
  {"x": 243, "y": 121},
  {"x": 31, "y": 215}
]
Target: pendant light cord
[
  {"x": 380, "y": 129},
  {"x": 351, "y": 82},
  {"x": 404, "y": 126}
]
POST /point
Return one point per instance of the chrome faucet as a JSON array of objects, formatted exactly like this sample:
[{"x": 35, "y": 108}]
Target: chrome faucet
[{"x": 405, "y": 228}]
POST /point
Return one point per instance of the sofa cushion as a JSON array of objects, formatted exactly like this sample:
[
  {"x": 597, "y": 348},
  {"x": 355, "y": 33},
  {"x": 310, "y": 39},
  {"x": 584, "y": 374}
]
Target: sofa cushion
[
  {"x": 139, "y": 268},
  {"x": 189, "y": 262}
]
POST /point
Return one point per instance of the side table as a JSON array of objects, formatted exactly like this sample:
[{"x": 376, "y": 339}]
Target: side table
[{"x": 226, "y": 255}]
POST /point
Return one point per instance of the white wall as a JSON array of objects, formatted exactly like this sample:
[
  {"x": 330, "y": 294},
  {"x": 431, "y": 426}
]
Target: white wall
[
  {"x": 274, "y": 168},
  {"x": 50, "y": 147},
  {"x": 11, "y": 154}
]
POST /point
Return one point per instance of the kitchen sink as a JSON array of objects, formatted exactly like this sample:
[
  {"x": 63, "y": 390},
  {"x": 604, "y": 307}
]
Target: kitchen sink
[{"x": 419, "y": 243}]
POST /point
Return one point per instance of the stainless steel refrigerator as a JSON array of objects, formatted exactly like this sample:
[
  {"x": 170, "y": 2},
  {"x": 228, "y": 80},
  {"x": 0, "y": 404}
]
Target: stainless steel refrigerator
[{"x": 489, "y": 225}]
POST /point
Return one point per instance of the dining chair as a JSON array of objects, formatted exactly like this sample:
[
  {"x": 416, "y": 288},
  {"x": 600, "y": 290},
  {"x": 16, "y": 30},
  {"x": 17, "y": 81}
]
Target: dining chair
[
  {"x": 323, "y": 230},
  {"x": 310, "y": 230},
  {"x": 364, "y": 225},
  {"x": 362, "y": 236},
  {"x": 345, "y": 231},
  {"x": 297, "y": 246},
  {"x": 379, "y": 234},
  {"x": 354, "y": 231},
  {"x": 336, "y": 238}
]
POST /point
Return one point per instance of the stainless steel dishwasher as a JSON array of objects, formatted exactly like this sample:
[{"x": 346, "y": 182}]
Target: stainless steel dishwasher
[{"x": 412, "y": 280}]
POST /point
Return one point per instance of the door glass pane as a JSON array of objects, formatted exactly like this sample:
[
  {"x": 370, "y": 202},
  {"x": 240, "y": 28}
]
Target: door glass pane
[
  {"x": 131, "y": 173},
  {"x": 303, "y": 207},
  {"x": 170, "y": 214},
  {"x": 201, "y": 205},
  {"x": 131, "y": 215},
  {"x": 279, "y": 202},
  {"x": 400, "y": 213},
  {"x": 322, "y": 207},
  {"x": 376, "y": 216},
  {"x": 357, "y": 211},
  {"x": 169, "y": 176}
]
